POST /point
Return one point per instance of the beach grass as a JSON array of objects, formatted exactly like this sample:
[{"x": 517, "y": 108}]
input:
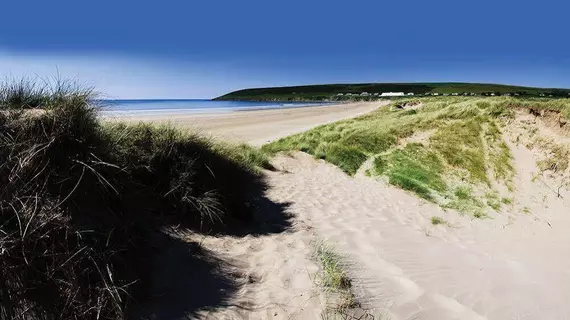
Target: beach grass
[
  {"x": 334, "y": 279},
  {"x": 437, "y": 220},
  {"x": 442, "y": 149},
  {"x": 80, "y": 200}
]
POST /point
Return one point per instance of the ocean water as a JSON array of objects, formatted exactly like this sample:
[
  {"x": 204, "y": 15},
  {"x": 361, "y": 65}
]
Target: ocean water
[{"x": 174, "y": 107}]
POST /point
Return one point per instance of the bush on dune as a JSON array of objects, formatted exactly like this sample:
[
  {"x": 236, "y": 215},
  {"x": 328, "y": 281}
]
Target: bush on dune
[
  {"x": 78, "y": 200},
  {"x": 349, "y": 159}
]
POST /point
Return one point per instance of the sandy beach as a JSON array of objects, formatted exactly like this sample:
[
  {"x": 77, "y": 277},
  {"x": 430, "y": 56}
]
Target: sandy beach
[
  {"x": 510, "y": 266},
  {"x": 257, "y": 127}
]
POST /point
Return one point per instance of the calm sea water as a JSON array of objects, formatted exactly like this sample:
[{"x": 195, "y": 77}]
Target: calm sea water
[{"x": 170, "y": 107}]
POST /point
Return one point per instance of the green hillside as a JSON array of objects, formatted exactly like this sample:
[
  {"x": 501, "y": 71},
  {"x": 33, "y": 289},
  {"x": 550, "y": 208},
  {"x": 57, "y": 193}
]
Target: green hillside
[{"x": 331, "y": 91}]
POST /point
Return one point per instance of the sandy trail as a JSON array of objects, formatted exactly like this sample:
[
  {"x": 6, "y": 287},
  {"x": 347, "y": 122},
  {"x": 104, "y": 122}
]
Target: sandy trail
[
  {"x": 405, "y": 267},
  {"x": 512, "y": 266},
  {"x": 261, "y": 126}
]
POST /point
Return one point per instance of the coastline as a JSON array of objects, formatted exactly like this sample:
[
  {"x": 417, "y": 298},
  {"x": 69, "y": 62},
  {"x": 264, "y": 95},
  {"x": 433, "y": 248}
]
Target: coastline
[{"x": 257, "y": 126}]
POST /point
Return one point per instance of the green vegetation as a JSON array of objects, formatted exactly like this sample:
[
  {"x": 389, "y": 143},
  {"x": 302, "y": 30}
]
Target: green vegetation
[
  {"x": 558, "y": 159},
  {"x": 507, "y": 201},
  {"x": 331, "y": 91},
  {"x": 460, "y": 144},
  {"x": 333, "y": 275},
  {"x": 335, "y": 280},
  {"x": 437, "y": 220},
  {"x": 416, "y": 169},
  {"x": 479, "y": 215},
  {"x": 463, "y": 193},
  {"x": 447, "y": 151},
  {"x": 348, "y": 159},
  {"x": 81, "y": 201}
]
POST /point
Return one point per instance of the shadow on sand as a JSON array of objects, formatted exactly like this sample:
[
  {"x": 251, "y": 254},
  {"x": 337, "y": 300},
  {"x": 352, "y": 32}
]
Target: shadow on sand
[{"x": 187, "y": 280}]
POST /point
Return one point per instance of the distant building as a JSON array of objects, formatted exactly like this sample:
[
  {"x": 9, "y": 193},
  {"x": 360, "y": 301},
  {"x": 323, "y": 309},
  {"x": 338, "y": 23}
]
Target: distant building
[
  {"x": 364, "y": 94},
  {"x": 455, "y": 94},
  {"x": 436, "y": 94},
  {"x": 410, "y": 93},
  {"x": 340, "y": 94},
  {"x": 392, "y": 94},
  {"x": 376, "y": 93}
]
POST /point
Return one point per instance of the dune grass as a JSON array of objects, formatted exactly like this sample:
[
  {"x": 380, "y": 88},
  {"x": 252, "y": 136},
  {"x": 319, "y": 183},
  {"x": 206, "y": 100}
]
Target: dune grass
[
  {"x": 79, "y": 200},
  {"x": 431, "y": 151},
  {"x": 437, "y": 220},
  {"x": 333, "y": 275},
  {"x": 335, "y": 281}
]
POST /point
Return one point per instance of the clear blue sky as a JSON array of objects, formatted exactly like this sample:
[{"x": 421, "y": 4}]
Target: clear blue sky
[{"x": 200, "y": 49}]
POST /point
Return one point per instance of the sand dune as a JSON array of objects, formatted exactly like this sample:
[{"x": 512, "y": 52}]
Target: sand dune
[{"x": 511, "y": 266}]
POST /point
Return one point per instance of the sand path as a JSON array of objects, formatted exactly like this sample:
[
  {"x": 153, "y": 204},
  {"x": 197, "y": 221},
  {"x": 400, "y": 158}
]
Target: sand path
[
  {"x": 405, "y": 267},
  {"x": 260, "y": 126},
  {"x": 511, "y": 266}
]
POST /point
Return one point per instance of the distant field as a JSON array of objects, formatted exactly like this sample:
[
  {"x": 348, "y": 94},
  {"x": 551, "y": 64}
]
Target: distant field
[{"x": 331, "y": 91}]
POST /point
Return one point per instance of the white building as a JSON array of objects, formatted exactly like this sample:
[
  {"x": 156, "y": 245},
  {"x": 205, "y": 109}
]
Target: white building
[
  {"x": 364, "y": 94},
  {"x": 410, "y": 93},
  {"x": 392, "y": 94}
]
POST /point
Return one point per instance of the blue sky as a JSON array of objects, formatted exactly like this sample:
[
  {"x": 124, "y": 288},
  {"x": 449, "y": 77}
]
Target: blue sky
[{"x": 201, "y": 49}]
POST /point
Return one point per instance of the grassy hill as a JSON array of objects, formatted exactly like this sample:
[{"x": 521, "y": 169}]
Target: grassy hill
[
  {"x": 330, "y": 91},
  {"x": 448, "y": 150}
]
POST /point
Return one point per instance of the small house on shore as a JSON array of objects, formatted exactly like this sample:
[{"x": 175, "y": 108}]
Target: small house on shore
[{"x": 392, "y": 94}]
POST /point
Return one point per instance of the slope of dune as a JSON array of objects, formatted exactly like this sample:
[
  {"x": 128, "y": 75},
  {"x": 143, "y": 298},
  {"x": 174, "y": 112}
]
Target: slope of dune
[{"x": 402, "y": 264}]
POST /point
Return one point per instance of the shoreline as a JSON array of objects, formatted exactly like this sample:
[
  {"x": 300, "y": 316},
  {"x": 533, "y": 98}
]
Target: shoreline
[{"x": 257, "y": 127}]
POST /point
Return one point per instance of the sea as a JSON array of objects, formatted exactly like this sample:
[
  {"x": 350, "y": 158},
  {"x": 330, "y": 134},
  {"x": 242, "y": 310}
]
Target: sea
[{"x": 188, "y": 106}]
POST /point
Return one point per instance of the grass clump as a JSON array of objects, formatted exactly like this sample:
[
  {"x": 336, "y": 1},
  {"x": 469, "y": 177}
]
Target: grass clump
[
  {"x": 335, "y": 280},
  {"x": 416, "y": 169},
  {"x": 349, "y": 159},
  {"x": 461, "y": 145},
  {"x": 80, "y": 201},
  {"x": 333, "y": 275},
  {"x": 437, "y": 220},
  {"x": 380, "y": 165},
  {"x": 463, "y": 193},
  {"x": 479, "y": 215}
]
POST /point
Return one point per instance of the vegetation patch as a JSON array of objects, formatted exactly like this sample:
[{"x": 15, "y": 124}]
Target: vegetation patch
[
  {"x": 460, "y": 144},
  {"x": 80, "y": 201},
  {"x": 464, "y": 148},
  {"x": 349, "y": 159},
  {"x": 335, "y": 280},
  {"x": 437, "y": 221},
  {"x": 416, "y": 169}
]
